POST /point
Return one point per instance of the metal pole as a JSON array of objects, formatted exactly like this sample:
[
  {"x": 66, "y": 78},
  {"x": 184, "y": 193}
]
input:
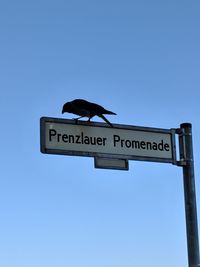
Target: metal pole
[{"x": 186, "y": 154}]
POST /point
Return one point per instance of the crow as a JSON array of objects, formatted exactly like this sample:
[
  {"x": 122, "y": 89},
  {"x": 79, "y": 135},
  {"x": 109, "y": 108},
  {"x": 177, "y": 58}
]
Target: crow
[{"x": 84, "y": 108}]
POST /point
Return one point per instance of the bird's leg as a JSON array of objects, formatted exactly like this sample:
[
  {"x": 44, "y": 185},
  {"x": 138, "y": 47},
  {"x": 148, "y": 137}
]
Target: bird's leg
[
  {"x": 106, "y": 120},
  {"x": 90, "y": 118},
  {"x": 78, "y": 118}
]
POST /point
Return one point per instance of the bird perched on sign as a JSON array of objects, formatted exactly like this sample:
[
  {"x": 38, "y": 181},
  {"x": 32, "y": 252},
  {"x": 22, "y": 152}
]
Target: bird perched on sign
[{"x": 84, "y": 108}]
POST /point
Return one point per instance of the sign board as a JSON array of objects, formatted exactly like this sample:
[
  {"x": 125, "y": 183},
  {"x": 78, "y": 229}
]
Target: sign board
[
  {"x": 68, "y": 137},
  {"x": 111, "y": 163}
]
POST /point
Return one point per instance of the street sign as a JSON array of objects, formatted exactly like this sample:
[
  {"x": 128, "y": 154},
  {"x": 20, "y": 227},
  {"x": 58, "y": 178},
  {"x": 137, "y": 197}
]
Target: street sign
[
  {"x": 112, "y": 147},
  {"x": 68, "y": 137}
]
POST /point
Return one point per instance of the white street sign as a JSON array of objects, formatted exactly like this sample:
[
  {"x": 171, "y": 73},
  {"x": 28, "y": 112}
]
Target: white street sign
[
  {"x": 112, "y": 147},
  {"x": 60, "y": 136}
]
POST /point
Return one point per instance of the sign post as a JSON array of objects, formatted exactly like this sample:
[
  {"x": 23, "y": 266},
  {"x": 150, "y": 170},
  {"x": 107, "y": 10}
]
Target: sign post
[
  {"x": 113, "y": 147},
  {"x": 186, "y": 156}
]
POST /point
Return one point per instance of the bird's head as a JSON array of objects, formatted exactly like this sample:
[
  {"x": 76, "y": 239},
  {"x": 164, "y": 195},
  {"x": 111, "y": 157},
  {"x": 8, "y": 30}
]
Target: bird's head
[{"x": 67, "y": 107}]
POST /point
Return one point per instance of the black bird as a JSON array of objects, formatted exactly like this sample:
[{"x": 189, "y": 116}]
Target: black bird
[{"x": 84, "y": 108}]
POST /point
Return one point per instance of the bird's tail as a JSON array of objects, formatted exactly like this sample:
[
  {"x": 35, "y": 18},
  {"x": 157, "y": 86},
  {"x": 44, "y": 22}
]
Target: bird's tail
[
  {"x": 109, "y": 112},
  {"x": 104, "y": 118}
]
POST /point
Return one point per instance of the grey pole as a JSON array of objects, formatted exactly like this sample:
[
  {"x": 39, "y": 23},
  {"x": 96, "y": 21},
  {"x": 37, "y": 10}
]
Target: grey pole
[{"x": 186, "y": 154}]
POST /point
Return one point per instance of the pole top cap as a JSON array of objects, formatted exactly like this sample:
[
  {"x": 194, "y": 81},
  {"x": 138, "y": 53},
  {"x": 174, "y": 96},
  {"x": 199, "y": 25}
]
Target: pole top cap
[{"x": 186, "y": 125}]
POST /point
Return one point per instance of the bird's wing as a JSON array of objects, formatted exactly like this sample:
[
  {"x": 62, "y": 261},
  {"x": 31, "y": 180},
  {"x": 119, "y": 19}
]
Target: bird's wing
[
  {"x": 81, "y": 107},
  {"x": 92, "y": 108},
  {"x": 89, "y": 106}
]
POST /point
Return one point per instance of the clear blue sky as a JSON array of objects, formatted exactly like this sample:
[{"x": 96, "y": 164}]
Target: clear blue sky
[{"x": 140, "y": 59}]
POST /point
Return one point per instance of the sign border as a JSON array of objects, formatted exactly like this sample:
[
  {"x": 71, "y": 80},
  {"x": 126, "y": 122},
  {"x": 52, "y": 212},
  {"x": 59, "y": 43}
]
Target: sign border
[{"x": 171, "y": 131}]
